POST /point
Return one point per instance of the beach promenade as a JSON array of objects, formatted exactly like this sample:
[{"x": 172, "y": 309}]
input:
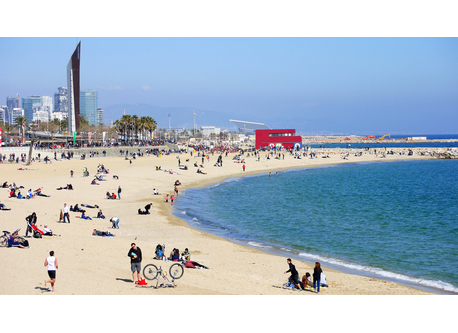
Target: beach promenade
[{"x": 91, "y": 265}]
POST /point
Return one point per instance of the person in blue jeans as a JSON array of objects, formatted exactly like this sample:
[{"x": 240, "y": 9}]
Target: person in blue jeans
[
  {"x": 317, "y": 277},
  {"x": 115, "y": 221}
]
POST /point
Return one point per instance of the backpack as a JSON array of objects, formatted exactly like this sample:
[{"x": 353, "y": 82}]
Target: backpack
[{"x": 159, "y": 250}]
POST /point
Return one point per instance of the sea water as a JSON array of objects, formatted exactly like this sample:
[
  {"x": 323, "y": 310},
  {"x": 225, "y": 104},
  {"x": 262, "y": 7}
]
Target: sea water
[{"x": 397, "y": 221}]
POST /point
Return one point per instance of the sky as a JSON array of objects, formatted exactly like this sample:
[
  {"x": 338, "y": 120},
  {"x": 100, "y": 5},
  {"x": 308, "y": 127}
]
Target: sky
[{"x": 336, "y": 84}]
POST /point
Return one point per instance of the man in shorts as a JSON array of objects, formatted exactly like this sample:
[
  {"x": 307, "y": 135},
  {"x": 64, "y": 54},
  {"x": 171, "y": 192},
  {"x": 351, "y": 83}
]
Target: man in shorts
[{"x": 135, "y": 255}]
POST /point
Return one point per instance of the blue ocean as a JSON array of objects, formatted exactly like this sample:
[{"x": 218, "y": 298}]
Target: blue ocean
[{"x": 396, "y": 221}]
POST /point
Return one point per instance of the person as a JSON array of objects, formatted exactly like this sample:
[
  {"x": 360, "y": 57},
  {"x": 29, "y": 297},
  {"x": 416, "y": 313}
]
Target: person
[
  {"x": 31, "y": 220},
  {"x": 317, "y": 277},
  {"x": 166, "y": 198},
  {"x": 176, "y": 190},
  {"x": 66, "y": 213},
  {"x": 186, "y": 255},
  {"x": 294, "y": 278},
  {"x": 175, "y": 255},
  {"x": 12, "y": 242},
  {"x": 94, "y": 182},
  {"x": 3, "y": 207},
  {"x": 100, "y": 214},
  {"x": 135, "y": 255},
  {"x": 47, "y": 231},
  {"x": 119, "y": 192},
  {"x": 155, "y": 192},
  {"x": 243, "y": 167},
  {"x": 148, "y": 207},
  {"x": 89, "y": 206},
  {"x": 51, "y": 264},
  {"x": 194, "y": 264},
  {"x": 171, "y": 198},
  {"x": 307, "y": 280},
  {"x": 96, "y": 232},
  {"x": 113, "y": 196},
  {"x": 115, "y": 222},
  {"x": 30, "y": 194},
  {"x": 71, "y": 173},
  {"x": 84, "y": 216}
]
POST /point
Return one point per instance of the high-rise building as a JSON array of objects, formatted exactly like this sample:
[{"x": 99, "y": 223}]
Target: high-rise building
[
  {"x": 100, "y": 115},
  {"x": 30, "y": 104},
  {"x": 16, "y": 113},
  {"x": 60, "y": 100},
  {"x": 11, "y": 103},
  {"x": 88, "y": 106},
  {"x": 3, "y": 113},
  {"x": 73, "y": 90},
  {"x": 34, "y": 104}
]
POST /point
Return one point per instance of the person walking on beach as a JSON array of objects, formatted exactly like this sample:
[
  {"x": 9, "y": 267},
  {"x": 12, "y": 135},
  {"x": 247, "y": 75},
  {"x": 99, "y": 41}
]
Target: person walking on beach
[
  {"x": 71, "y": 173},
  {"x": 119, "y": 192},
  {"x": 317, "y": 277},
  {"x": 294, "y": 278},
  {"x": 66, "y": 212},
  {"x": 135, "y": 255},
  {"x": 31, "y": 220},
  {"x": 51, "y": 264}
]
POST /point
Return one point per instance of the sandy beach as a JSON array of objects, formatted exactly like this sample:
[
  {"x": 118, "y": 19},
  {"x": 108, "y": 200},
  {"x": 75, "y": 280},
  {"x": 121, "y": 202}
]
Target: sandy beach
[{"x": 90, "y": 265}]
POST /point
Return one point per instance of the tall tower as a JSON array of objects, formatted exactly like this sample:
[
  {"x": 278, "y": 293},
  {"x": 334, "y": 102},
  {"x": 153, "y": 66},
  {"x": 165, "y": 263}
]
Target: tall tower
[{"x": 73, "y": 90}]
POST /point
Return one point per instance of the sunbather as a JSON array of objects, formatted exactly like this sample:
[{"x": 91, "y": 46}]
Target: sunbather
[{"x": 102, "y": 233}]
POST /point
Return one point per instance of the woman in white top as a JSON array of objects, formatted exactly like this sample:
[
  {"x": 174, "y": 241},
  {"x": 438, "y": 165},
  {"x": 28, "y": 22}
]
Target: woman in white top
[{"x": 51, "y": 263}]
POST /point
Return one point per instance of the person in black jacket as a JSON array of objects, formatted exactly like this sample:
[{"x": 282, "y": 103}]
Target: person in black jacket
[
  {"x": 31, "y": 220},
  {"x": 294, "y": 278},
  {"x": 135, "y": 255},
  {"x": 317, "y": 277}
]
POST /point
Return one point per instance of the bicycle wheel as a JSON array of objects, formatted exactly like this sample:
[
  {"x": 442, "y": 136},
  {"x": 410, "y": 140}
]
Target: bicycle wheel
[
  {"x": 4, "y": 242},
  {"x": 150, "y": 272},
  {"x": 176, "y": 271}
]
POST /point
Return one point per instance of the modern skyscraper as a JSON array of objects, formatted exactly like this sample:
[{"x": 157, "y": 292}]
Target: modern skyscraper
[
  {"x": 30, "y": 104},
  {"x": 11, "y": 103},
  {"x": 88, "y": 105},
  {"x": 60, "y": 100},
  {"x": 100, "y": 115},
  {"x": 34, "y": 104},
  {"x": 73, "y": 91}
]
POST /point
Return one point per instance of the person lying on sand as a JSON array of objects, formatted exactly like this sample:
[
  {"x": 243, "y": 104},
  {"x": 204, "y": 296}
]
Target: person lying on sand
[{"x": 102, "y": 233}]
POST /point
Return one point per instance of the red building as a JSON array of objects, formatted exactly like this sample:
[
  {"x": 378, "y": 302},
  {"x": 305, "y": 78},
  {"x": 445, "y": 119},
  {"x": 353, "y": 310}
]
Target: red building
[{"x": 280, "y": 138}]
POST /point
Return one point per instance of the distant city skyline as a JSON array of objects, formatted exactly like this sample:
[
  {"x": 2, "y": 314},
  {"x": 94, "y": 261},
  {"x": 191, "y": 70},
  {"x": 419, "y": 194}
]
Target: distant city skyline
[{"x": 347, "y": 85}]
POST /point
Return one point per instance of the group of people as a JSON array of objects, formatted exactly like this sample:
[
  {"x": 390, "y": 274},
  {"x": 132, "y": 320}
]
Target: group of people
[{"x": 319, "y": 279}]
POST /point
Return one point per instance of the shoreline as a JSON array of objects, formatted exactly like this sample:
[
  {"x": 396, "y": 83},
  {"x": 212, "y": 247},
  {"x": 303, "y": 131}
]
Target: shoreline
[
  {"x": 234, "y": 268},
  {"x": 278, "y": 250}
]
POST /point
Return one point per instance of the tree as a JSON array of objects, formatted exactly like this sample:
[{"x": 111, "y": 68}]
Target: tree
[{"x": 20, "y": 122}]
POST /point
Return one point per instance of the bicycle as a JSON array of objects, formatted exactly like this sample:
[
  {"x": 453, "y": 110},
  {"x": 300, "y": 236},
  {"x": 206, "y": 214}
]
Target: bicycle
[
  {"x": 6, "y": 235},
  {"x": 151, "y": 272}
]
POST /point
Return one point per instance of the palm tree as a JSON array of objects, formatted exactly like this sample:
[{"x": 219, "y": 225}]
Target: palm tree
[
  {"x": 126, "y": 122},
  {"x": 135, "y": 123},
  {"x": 20, "y": 122},
  {"x": 7, "y": 129}
]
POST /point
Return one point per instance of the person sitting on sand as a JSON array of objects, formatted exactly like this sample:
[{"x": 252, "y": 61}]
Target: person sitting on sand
[
  {"x": 100, "y": 214},
  {"x": 94, "y": 182},
  {"x": 307, "y": 280},
  {"x": 47, "y": 231},
  {"x": 141, "y": 212},
  {"x": 14, "y": 243},
  {"x": 186, "y": 255},
  {"x": 155, "y": 192},
  {"x": 108, "y": 195},
  {"x": 20, "y": 196},
  {"x": 96, "y": 232},
  {"x": 13, "y": 193},
  {"x": 148, "y": 207},
  {"x": 30, "y": 194},
  {"x": 113, "y": 196},
  {"x": 84, "y": 216}
]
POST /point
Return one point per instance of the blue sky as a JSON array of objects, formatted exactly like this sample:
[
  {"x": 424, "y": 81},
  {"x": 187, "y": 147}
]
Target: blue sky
[{"x": 348, "y": 85}]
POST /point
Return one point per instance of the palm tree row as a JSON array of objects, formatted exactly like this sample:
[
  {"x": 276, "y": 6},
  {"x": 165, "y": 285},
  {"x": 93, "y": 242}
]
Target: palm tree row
[{"x": 130, "y": 126}]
